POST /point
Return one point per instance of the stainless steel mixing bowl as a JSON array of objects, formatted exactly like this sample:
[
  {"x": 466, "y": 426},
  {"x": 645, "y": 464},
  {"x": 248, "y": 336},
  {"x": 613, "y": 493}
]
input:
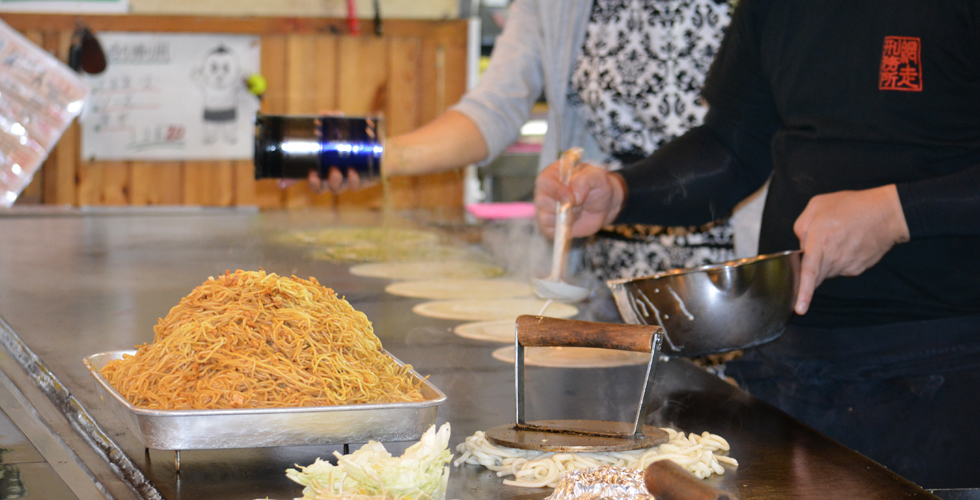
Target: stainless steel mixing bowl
[{"x": 714, "y": 308}]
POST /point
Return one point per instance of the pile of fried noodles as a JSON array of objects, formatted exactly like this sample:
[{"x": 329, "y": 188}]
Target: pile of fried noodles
[{"x": 254, "y": 340}]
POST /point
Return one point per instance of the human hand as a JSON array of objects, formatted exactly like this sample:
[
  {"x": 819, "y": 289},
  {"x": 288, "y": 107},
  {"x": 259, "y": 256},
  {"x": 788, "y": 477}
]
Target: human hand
[
  {"x": 845, "y": 233},
  {"x": 595, "y": 194},
  {"x": 335, "y": 182}
]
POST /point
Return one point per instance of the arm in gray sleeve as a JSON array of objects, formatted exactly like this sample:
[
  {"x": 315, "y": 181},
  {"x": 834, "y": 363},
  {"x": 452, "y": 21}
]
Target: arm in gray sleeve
[{"x": 501, "y": 103}]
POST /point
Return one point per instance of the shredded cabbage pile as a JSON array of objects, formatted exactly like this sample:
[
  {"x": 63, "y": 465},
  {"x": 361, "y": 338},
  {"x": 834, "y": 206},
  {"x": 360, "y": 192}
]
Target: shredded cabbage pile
[{"x": 421, "y": 473}]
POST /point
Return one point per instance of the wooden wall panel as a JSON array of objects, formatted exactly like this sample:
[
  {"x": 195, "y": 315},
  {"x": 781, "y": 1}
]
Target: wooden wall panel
[
  {"x": 416, "y": 9},
  {"x": 156, "y": 183},
  {"x": 209, "y": 183},
  {"x": 33, "y": 192},
  {"x": 273, "y": 54},
  {"x": 402, "y": 113},
  {"x": 362, "y": 74},
  {"x": 326, "y": 75},
  {"x": 245, "y": 185},
  {"x": 311, "y": 76},
  {"x": 301, "y": 90},
  {"x": 89, "y": 187},
  {"x": 103, "y": 183},
  {"x": 59, "y": 183},
  {"x": 59, "y": 172},
  {"x": 453, "y": 74},
  {"x": 445, "y": 190},
  {"x": 115, "y": 183},
  {"x": 440, "y": 88},
  {"x": 361, "y": 90},
  {"x": 410, "y": 74}
]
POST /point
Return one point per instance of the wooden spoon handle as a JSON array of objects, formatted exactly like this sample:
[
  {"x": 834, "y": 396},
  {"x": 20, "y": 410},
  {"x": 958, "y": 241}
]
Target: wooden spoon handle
[
  {"x": 666, "y": 480},
  {"x": 540, "y": 331}
]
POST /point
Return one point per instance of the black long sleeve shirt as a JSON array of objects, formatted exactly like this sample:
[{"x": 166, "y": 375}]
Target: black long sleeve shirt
[{"x": 841, "y": 95}]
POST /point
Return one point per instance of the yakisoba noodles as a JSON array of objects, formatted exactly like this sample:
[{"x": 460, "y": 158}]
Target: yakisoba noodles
[
  {"x": 702, "y": 455},
  {"x": 256, "y": 340}
]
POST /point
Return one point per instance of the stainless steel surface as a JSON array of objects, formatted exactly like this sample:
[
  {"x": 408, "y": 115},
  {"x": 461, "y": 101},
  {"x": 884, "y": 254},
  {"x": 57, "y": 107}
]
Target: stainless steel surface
[
  {"x": 76, "y": 284},
  {"x": 26, "y": 472},
  {"x": 715, "y": 308},
  {"x": 48, "y": 415},
  {"x": 263, "y": 427}
]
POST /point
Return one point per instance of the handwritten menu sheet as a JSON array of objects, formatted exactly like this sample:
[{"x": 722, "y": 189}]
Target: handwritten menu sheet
[
  {"x": 172, "y": 97},
  {"x": 39, "y": 97}
]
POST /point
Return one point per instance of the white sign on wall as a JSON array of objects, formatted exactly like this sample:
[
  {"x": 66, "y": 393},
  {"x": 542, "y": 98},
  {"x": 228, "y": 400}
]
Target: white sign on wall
[{"x": 172, "y": 97}]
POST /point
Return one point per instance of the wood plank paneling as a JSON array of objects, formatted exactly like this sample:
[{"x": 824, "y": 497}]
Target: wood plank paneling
[
  {"x": 445, "y": 190},
  {"x": 209, "y": 183},
  {"x": 60, "y": 183},
  {"x": 428, "y": 9},
  {"x": 311, "y": 88},
  {"x": 402, "y": 113},
  {"x": 244, "y": 177},
  {"x": 59, "y": 175},
  {"x": 115, "y": 183},
  {"x": 326, "y": 75},
  {"x": 156, "y": 183},
  {"x": 362, "y": 90},
  {"x": 103, "y": 183},
  {"x": 439, "y": 91},
  {"x": 32, "y": 193},
  {"x": 448, "y": 29},
  {"x": 301, "y": 89},
  {"x": 273, "y": 54},
  {"x": 410, "y": 74},
  {"x": 363, "y": 74}
]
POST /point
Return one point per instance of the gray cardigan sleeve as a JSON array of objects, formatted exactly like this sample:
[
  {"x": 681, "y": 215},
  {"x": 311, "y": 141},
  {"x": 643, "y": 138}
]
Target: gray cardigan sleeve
[{"x": 501, "y": 102}]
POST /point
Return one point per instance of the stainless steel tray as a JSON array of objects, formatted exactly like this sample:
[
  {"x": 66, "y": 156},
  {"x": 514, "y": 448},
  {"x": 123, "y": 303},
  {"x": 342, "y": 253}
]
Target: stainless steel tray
[{"x": 265, "y": 427}]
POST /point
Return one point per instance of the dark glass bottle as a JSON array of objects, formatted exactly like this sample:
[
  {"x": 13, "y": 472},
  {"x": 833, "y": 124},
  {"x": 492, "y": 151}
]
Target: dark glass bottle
[{"x": 292, "y": 146}]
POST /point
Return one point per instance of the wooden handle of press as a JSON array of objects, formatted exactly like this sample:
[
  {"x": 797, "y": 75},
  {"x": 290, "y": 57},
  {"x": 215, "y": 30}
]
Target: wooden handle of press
[
  {"x": 666, "y": 480},
  {"x": 541, "y": 331}
]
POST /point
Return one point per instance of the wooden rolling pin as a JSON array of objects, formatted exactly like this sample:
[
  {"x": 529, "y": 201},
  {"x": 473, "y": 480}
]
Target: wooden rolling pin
[{"x": 666, "y": 480}]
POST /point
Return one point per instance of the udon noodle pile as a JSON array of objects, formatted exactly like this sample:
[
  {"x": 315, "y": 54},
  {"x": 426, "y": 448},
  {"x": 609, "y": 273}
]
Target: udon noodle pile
[{"x": 255, "y": 340}]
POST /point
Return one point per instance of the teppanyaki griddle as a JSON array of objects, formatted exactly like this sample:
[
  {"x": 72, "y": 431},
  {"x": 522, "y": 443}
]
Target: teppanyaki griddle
[{"x": 581, "y": 435}]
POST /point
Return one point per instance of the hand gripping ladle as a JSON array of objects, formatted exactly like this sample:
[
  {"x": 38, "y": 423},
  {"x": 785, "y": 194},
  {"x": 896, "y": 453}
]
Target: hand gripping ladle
[{"x": 553, "y": 287}]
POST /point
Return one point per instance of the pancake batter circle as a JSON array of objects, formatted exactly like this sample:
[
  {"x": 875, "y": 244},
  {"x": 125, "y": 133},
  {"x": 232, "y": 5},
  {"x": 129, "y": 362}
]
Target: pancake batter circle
[
  {"x": 488, "y": 310},
  {"x": 490, "y": 331},
  {"x": 449, "y": 289},
  {"x": 427, "y": 270}
]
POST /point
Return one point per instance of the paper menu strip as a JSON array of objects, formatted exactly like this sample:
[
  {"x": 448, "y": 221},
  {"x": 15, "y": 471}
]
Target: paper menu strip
[{"x": 39, "y": 97}]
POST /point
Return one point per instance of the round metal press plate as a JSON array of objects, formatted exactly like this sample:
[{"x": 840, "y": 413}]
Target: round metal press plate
[{"x": 558, "y": 439}]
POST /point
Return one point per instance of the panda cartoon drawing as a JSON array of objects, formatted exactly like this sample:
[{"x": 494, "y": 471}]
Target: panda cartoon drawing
[{"x": 221, "y": 80}]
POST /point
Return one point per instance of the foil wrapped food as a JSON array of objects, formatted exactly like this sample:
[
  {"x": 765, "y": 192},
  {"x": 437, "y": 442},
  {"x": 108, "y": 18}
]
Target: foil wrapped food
[{"x": 602, "y": 483}]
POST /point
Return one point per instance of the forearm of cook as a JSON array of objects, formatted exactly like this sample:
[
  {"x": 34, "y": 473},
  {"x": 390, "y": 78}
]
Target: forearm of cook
[
  {"x": 942, "y": 206},
  {"x": 449, "y": 142},
  {"x": 697, "y": 178}
]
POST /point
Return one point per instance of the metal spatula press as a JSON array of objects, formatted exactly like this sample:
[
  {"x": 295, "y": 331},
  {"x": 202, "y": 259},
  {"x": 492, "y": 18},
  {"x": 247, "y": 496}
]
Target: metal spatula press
[{"x": 582, "y": 436}]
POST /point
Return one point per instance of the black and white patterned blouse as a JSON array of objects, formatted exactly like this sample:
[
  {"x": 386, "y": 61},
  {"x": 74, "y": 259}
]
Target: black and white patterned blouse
[
  {"x": 638, "y": 78},
  {"x": 637, "y": 83}
]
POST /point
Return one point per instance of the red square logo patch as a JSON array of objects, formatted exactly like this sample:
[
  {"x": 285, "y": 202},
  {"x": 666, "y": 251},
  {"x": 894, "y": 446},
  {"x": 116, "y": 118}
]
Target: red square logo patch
[{"x": 901, "y": 64}]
